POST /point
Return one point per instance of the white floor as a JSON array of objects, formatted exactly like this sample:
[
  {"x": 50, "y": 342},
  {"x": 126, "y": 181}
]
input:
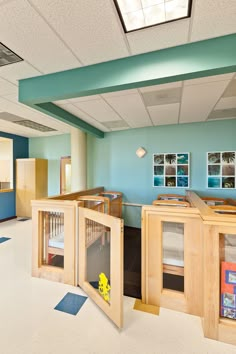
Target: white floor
[{"x": 29, "y": 324}]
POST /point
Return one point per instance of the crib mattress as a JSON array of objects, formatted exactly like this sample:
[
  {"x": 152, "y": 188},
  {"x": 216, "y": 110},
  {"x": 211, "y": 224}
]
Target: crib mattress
[
  {"x": 173, "y": 261},
  {"x": 230, "y": 248},
  {"x": 57, "y": 241},
  {"x": 173, "y": 244}
]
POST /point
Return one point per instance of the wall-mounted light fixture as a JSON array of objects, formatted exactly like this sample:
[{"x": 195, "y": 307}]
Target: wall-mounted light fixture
[{"x": 141, "y": 152}]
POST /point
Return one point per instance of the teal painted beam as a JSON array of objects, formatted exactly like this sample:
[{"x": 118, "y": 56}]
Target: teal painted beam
[
  {"x": 193, "y": 60},
  {"x": 210, "y": 57},
  {"x": 68, "y": 118}
]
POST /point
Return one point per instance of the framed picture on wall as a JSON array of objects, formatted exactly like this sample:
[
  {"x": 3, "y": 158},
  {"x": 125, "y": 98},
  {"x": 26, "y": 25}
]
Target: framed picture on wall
[
  {"x": 221, "y": 169},
  {"x": 171, "y": 170}
]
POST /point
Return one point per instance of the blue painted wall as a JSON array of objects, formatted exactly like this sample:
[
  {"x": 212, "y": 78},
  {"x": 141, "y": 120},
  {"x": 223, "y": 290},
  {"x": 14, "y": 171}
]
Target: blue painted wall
[
  {"x": 7, "y": 200},
  {"x": 51, "y": 148},
  {"x": 113, "y": 163}
]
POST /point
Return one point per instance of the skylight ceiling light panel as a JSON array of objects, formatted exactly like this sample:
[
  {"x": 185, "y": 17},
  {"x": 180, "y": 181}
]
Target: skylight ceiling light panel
[
  {"x": 145, "y": 13},
  {"x": 129, "y": 5},
  {"x": 176, "y": 9},
  {"x": 134, "y": 20},
  {"x": 148, "y": 3},
  {"x": 154, "y": 14}
]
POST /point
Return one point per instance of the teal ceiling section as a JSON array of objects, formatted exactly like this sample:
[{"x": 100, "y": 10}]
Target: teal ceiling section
[{"x": 194, "y": 60}]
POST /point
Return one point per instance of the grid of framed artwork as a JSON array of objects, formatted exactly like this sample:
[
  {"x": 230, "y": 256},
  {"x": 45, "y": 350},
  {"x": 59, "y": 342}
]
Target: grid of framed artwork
[
  {"x": 221, "y": 169},
  {"x": 171, "y": 170}
]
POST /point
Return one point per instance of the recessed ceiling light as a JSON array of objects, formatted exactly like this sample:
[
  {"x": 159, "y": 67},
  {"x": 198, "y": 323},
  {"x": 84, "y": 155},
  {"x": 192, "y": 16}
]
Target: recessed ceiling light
[
  {"x": 139, "y": 14},
  {"x": 25, "y": 122},
  {"x": 7, "y": 56},
  {"x": 36, "y": 126}
]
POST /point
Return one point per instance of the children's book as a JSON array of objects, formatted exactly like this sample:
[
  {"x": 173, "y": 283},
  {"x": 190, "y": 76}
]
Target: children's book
[{"x": 228, "y": 290}]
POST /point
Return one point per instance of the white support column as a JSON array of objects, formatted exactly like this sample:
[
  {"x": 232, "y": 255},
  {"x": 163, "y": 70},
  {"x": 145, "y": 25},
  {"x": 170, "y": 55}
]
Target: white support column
[{"x": 78, "y": 160}]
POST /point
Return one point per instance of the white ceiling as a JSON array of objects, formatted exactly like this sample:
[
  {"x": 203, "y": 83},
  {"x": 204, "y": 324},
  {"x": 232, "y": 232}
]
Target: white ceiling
[{"x": 58, "y": 35}]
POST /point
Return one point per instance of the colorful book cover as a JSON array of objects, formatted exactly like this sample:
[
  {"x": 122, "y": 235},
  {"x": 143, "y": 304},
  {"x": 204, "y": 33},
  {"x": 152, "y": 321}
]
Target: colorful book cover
[{"x": 228, "y": 290}]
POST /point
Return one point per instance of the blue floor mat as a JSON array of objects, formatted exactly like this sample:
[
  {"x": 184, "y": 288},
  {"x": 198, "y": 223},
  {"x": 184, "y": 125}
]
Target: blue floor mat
[
  {"x": 71, "y": 303},
  {"x": 3, "y": 239}
]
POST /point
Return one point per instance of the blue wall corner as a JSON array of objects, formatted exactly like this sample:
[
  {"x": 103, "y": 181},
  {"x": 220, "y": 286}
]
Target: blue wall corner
[{"x": 8, "y": 199}]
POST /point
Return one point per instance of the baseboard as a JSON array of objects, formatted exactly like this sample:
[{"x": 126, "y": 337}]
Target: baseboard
[{"x": 7, "y": 219}]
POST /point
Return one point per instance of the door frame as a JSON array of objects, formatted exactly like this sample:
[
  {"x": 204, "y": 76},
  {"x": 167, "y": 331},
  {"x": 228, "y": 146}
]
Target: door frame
[{"x": 63, "y": 161}]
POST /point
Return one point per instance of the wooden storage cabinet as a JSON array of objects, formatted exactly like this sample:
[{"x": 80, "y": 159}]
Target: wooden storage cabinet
[{"x": 31, "y": 183}]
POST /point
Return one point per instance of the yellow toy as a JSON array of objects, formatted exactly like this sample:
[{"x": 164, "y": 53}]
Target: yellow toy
[{"x": 103, "y": 287}]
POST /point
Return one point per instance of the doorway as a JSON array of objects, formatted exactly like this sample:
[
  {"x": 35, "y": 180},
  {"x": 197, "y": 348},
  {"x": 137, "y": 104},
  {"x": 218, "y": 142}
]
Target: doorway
[{"x": 65, "y": 175}]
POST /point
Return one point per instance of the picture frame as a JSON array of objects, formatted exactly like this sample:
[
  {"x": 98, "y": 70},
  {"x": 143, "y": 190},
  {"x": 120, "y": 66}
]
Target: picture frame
[
  {"x": 171, "y": 170},
  {"x": 221, "y": 170},
  {"x": 230, "y": 277}
]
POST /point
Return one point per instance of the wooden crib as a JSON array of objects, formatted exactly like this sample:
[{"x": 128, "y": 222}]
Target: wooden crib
[
  {"x": 173, "y": 237},
  {"x": 177, "y": 197},
  {"x": 172, "y": 246},
  {"x": 114, "y": 203},
  {"x": 76, "y": 241},
  {"x": 219, "y": 254},
  {"x": 55, "y": 230},
  {"x": 212, "y": 201},
  {"x": 54, "y": 227}
]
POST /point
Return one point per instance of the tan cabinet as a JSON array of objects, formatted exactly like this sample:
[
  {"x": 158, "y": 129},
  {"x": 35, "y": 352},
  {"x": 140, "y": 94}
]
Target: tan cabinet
[{"x": 31, "y": 183}]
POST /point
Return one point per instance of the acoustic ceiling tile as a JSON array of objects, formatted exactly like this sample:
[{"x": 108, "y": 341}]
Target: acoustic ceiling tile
[
  {"x": 25, "y": 32},
  {"x": 119, "y": 93},
  {"x": 207, "y": 79},
  {"x": 162, "y": 97},
  {"x": 223, "y": 113},
  {"x": 199, "y": 100},
  {"x": 17, "y": 71},
  {"x": 159, "y": 37},
  {"x": 226, "y": 102},
  {"x": 61, "y": 102},
  {"x": 116, "y": 125},
  {"x": 24, "y": 112},
  {"x": 164, "y": 114},
  {"x": 7, "y": 88},
  {"x": 83, "y": 115},
  {"x": 213, "y": 19},
  {"x": 161, "y": 87},
  {"x": 84, "y": 98},
  {"x": 92, "y": 29},
  {"x": 99, "y": 110},
  {"x": 231, "y": 89},
  {"x": 131, "y": 109}
]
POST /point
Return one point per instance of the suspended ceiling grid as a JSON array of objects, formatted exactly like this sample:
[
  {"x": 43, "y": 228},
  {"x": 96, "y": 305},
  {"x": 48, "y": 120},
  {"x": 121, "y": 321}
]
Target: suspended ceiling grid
[{"x": 57, "y": 35}]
